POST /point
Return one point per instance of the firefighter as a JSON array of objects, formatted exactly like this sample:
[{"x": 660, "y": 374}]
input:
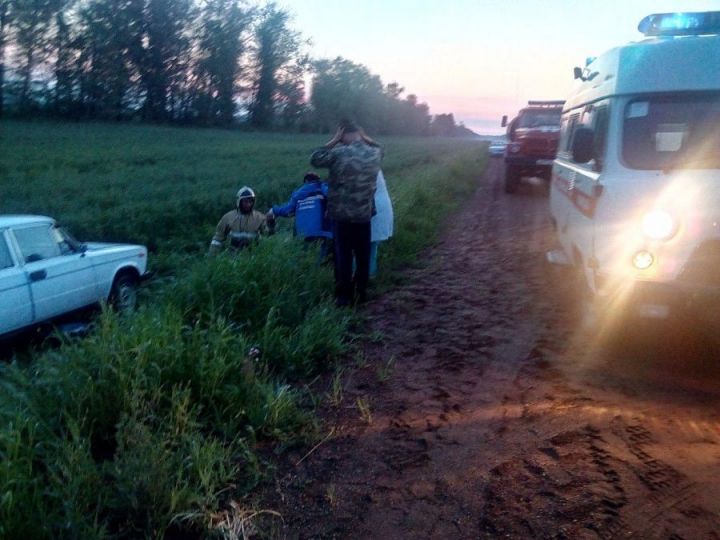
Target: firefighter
[{"x": 244, "y": 225}]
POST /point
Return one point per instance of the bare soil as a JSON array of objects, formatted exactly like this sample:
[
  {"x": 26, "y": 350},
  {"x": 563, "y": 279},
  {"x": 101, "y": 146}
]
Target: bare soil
[{"x": 483, "y": 409}]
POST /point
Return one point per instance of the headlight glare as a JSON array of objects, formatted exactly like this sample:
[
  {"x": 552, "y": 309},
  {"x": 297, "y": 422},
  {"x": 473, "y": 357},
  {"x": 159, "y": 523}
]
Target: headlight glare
[
  {"x": 643, "y": 260},
  {"x": 658, "y": 225}
]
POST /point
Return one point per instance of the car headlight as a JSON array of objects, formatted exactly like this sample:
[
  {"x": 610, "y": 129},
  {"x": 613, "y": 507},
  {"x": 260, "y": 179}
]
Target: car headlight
[
  {"x": 514, "y": 148},
  {"x": 658, "y": 225},
  {"x": 643, "y": 260}
]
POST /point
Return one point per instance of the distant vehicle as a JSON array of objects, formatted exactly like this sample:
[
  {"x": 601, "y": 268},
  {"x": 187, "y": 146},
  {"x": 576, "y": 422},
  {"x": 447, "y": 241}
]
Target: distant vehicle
[
  {"x": 532, "y": 142},
  {"x": 497, "y": 148},
  {"x": 46, "y": 274},
  {"x": 635, "y": 195}
]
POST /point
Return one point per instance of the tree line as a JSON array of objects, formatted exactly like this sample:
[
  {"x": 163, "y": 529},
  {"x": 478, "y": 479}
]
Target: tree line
[{"x": 201, "y": 62}]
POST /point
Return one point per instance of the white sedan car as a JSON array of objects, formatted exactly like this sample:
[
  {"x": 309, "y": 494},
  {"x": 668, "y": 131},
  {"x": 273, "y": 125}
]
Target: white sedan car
[
  {"x": 45, "y": 273},
  {"x": 497, "y": 148}
]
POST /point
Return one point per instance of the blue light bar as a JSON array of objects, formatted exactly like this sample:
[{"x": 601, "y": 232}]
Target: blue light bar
[{"x": 681, "y": 24}]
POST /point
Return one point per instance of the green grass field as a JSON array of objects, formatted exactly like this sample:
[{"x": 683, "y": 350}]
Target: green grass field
[
  {"x": 167, "y": 187},
  {"x": 149, "y": 425}
]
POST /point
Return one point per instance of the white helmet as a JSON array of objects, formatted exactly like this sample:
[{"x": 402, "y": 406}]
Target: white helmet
[{"x": 245, "y": 193}]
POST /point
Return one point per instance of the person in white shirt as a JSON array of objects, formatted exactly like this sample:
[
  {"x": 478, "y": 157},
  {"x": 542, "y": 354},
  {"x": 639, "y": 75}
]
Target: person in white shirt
[{"x": 381, "y": 224}]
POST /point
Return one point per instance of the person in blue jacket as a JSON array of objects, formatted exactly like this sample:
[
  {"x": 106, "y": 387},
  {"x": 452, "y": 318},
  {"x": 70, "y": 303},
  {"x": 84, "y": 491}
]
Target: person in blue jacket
[{"x": 307, "y": 204}]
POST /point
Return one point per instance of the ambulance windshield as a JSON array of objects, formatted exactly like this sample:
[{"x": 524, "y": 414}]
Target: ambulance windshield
[
  {"x": 672, "y": 132},
  {"x": 536, "y": 119}
]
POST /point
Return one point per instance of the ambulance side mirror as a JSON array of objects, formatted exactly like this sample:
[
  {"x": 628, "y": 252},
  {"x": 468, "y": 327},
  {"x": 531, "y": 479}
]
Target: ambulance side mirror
[
  {"x": 504, "y": 121},
  {"x": 583, "y": 145}
]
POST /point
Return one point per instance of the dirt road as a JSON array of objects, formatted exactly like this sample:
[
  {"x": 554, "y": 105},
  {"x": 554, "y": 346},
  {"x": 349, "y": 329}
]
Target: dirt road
[{"x": 481, "y": 410}]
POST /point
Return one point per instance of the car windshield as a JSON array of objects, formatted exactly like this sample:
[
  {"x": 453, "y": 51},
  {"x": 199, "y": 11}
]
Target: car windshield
[
  {"x": 68, "y": 243},
  {"x": 672, "y": 132},
  {"x": 5, "y": 258},
  {"x": 532, "y": 119}
]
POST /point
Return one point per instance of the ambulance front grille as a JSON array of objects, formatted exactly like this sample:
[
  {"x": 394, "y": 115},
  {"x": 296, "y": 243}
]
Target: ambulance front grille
[{"x": 539, "y": 147}]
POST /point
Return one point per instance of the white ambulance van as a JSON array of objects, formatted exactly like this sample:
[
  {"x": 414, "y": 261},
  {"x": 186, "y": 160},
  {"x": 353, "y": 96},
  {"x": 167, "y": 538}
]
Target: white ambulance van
[{"x": 635, "y": 194}]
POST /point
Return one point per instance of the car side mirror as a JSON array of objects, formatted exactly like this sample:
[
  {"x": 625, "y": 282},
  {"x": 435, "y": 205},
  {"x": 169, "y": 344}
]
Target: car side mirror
[
  {"x": 577, "y": 72},
  {"x": 583, "y": 145},
  {"x": 82, "y": 248},
  {"x": 504, "y": 121}
]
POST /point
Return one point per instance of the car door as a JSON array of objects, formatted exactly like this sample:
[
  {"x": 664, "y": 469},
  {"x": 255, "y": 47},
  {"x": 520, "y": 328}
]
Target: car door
[
  {"x": 563, "y": 182},
  {"x": 586, "y": 187},
  {"x": 16, "y": 310},
  {"x": 579, "y": 183},
  {"x": 61, "y": 279}
]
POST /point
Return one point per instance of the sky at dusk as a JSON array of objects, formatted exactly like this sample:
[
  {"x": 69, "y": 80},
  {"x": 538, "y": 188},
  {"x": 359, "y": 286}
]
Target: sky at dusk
[{"x": 478, "y": 59}]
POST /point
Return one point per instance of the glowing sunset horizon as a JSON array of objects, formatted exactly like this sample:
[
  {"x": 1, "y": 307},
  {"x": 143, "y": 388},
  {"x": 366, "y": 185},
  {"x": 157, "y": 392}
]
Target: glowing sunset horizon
[{"x": 476, "y": 59}]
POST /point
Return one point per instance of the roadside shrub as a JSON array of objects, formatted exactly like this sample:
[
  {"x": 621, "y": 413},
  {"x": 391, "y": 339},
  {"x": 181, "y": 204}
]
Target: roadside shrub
[
  {"x": 280, "y": 274},
  {"x": 49, "y": 483},
  {"x": 166, "y": 469},
  {"x": 157, "y": 410}
]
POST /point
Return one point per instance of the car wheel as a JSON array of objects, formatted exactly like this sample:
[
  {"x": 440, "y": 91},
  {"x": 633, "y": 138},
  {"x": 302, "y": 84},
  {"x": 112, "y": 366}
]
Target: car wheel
[
  {"x": 123, "y": 296},
  {"x": 512, "y": 179}
]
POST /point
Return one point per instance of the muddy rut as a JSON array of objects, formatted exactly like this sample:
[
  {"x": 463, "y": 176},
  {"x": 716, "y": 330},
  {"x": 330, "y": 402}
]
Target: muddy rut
[{"x": 481, "y": 410}]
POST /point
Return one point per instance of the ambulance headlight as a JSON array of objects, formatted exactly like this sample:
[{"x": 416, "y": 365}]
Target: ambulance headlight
[
  {"x": 658, "y": 225},
  {"x": 643, "y": 260}
]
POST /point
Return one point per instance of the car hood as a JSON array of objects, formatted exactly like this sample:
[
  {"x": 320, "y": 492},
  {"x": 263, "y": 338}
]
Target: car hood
[{"x": 97, "y": 246}]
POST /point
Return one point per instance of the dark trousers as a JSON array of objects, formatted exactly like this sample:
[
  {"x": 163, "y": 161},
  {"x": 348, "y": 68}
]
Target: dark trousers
[{"x": 351, "y": 240}]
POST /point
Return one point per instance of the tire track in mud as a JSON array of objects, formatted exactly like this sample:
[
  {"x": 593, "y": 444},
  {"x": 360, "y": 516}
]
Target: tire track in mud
[{"x": 484, "y": 428}]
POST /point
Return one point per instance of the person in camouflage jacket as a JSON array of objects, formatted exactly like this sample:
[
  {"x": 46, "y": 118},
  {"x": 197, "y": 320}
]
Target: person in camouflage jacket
[
  {"x": 353, "y": 160},
  {"x": 243, "y": 225}
]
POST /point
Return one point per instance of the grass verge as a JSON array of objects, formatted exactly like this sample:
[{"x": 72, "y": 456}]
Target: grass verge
[{"x": 149, "y": 426}]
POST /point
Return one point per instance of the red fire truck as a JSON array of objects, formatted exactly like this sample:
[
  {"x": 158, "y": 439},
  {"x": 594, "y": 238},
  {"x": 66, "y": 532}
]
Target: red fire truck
[{"x": 532, "y": 142}]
